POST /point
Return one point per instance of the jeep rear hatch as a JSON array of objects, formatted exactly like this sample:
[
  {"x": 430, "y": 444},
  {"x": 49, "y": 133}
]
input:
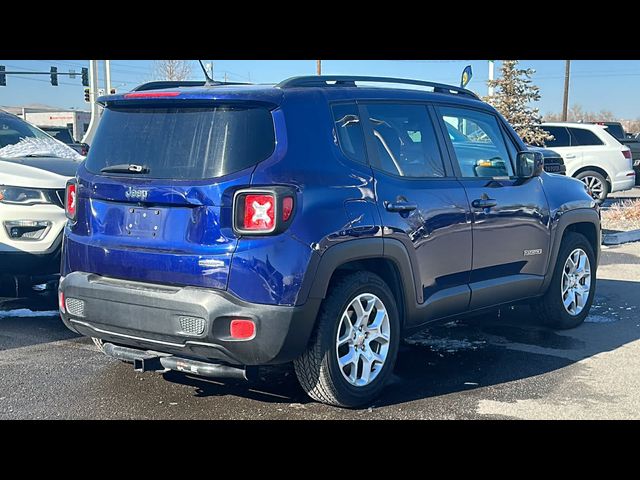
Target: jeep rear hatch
[{"x": 154, "y": 196}]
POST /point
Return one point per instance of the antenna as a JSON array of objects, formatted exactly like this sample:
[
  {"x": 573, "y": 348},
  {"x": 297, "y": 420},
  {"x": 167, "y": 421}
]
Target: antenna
[{"x": 209, "y": 82}]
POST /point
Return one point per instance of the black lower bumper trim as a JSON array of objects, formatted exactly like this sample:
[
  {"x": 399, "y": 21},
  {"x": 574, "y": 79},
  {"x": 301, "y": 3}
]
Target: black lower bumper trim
[{"x": 153, "y": 317}]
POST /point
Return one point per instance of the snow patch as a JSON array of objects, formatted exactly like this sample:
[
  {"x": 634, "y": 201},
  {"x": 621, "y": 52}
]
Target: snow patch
[
  {"x": 25, "y": 312},
  {"x": 600, "y": 319},
  {"x": 39, "y": 146}
]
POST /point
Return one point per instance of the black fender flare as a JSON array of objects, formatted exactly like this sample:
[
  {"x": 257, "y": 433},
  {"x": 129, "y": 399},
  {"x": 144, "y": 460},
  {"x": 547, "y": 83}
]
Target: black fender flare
[
  {"x": 321, "y": 267},
  {"x": 559, "y": 225}
]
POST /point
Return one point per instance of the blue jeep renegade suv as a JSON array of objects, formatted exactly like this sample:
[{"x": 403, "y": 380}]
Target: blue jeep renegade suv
[{"x": 215, "y": 228}]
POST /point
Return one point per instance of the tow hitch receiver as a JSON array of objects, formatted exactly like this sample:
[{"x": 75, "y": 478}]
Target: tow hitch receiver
[{"x": 150, "y": 361}]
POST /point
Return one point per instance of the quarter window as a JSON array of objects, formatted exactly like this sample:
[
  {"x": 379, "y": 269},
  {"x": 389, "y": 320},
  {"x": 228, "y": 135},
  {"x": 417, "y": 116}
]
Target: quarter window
[
  {"x": 348, "y": 131},
  {"x": 479, "y": 144},
  {"x": 405, "y": 140}
]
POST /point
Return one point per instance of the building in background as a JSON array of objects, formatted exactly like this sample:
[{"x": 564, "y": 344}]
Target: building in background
[{"x": 77, "y": 121}]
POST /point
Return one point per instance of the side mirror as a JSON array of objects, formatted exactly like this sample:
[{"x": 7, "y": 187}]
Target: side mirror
[{"x": 529, "y": 164}]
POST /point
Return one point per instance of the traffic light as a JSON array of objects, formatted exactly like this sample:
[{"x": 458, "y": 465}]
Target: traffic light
[
  {"x": 85, "y": 77},
  {"x": 3, "y": 77},
  {"x": 54, "y": 76},
  {"x": 87, "y": 95}
]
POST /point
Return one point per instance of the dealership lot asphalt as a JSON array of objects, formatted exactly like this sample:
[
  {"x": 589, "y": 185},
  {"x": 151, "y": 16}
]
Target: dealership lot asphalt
[{"x": 488, "y": 366}]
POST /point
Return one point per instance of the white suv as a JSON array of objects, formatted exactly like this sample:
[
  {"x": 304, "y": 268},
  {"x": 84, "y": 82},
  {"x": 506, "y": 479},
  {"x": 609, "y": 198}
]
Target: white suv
[
  {"x": 34, "y": 169},
  {"x": 593, "y": 156}
]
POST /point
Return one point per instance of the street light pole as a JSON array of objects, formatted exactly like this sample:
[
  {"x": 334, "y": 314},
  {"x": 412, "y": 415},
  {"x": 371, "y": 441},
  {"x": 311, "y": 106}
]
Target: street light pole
[
  {"x": 319, "y": 67},
  {"x": 565, "y": 100}
]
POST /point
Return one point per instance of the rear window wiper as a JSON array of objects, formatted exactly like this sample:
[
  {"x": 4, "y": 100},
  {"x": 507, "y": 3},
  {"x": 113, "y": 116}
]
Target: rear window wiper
[{"x": 125, "y": 168}]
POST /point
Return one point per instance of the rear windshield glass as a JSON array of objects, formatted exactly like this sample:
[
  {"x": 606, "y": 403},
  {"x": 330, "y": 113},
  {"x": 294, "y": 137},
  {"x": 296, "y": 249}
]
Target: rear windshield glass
[{"x": 183, "y": 143}]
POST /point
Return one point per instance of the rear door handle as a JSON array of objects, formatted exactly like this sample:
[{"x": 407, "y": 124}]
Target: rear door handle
[
  {"x": 570, "y": 155},
  {"x": 484, "y": 203},
  {"x": 400, "y": 207}
]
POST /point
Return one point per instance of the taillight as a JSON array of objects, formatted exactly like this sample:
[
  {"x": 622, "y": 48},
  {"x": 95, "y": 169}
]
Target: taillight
[
  {"x": 70, "y": 200},
  {"x": 259, "y": 213},
  {"x": 626, "y": 153},
  {"x": 263, "y": 211}
]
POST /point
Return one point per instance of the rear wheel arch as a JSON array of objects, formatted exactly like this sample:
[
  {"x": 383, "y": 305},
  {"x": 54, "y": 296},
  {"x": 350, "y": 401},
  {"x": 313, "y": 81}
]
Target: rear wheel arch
[
  {"x": 599, "y": 170},
  {"x": 386, "y": 258}
]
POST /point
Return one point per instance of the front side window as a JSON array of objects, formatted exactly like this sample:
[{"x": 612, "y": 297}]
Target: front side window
[
  {"x": 405, "y": 140},
  {"x": 348, "y": 131},
  {"x": 478, "y": 142},
  {"x": 584, "y": 137},
  {"x": 560, "y": 137}
]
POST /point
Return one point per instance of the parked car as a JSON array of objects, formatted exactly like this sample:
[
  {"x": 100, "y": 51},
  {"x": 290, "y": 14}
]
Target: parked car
[
  {"x": 617, "y": 130},
  {"x": 34, "y": 169},
  {"x": 317, "y": 221},
  {"x": 593, "y": 156},
  {"x": 553, "y": 162},
  {"x": 65, "y": 135}
]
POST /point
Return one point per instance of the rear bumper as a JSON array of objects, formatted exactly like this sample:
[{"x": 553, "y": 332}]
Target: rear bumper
[
  {"x": 623, "y": 181},
  {"x": 148, "y": 316}
]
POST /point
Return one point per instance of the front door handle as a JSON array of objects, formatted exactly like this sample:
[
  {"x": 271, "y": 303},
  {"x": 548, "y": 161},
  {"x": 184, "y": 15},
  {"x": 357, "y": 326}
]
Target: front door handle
[
  {"x": 484, "y": 203},
  {"x": 400, "y": 207},
  {"x": 570, "y": 155}
]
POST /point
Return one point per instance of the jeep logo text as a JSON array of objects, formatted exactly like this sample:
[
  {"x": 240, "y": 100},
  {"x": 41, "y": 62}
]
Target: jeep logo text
[{"x": 137, "y": 194}]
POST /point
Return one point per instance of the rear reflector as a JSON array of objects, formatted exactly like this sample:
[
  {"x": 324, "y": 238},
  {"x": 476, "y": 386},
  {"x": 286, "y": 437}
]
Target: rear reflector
[
  {"x": 627, "y": 154},
  {"x": 259, "y": 212},
  {"x": 61, "y": 301},
  {"x": 242, "y": 329},
  {"x": 151, "y": 94}
]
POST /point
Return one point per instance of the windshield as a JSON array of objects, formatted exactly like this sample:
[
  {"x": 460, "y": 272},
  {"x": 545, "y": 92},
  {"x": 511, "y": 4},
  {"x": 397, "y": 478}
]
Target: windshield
[
  {"x": 20, "y": 139},
  {"x": 181, "y": 142}
]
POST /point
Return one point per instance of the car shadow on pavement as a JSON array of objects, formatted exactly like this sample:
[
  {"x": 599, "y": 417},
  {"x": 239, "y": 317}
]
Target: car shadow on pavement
[
  {"x": 469, "y": 352},
  {"x": 17, "y": 332}
]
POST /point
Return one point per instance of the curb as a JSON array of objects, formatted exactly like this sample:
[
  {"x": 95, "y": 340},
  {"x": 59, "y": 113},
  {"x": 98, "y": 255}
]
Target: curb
[{"x": 622, "y": 237}]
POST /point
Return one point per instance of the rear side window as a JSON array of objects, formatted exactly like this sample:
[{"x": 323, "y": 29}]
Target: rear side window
[
  {"x": 348, "y": 131},
  {"x": 583, "y": 137},
  {"x": 560, "y": 137},
  {"x": 183, "y": 142},
  {"x": 405, "y": 140}
]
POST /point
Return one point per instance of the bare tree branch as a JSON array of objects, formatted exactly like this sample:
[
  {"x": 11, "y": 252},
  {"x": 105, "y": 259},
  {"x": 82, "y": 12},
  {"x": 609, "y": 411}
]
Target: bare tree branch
[{"x": 171, "y": 70}]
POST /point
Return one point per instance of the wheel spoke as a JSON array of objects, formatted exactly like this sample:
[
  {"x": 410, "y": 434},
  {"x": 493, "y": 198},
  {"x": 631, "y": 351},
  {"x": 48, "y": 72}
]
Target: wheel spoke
[{"x": 367, "y": 365}]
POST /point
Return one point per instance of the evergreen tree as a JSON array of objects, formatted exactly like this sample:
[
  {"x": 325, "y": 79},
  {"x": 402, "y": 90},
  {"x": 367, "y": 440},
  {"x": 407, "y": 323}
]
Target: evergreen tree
[{"x": 514, "y": 91}]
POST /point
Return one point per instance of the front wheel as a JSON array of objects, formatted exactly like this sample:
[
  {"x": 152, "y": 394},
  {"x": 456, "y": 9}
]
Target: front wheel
[
  {"x": 354, "y": 347},
  {"x": 570, "y": 295}
]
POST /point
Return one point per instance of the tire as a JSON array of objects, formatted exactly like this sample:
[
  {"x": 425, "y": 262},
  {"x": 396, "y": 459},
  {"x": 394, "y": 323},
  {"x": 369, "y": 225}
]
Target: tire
[
  {"x": 593, "y": 178},
  {"x": 550, "y": 308},
  {"x": 318, "y": 369}
]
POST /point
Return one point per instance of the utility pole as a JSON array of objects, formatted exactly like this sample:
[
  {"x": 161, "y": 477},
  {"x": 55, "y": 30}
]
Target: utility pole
[
  {"x": 319, "y": 67},
  {"x": 93, "y": 93},
  {"x": 491, "y": 74},
  {"x": 565, "y": 101},
  {"x": 107, "y": 77}
]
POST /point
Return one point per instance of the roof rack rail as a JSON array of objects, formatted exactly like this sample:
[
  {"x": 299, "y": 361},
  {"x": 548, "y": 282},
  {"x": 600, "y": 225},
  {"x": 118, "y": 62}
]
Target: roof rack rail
[
  {"x": 350, "y": 81},
  {"x": 160, "y": 84}
]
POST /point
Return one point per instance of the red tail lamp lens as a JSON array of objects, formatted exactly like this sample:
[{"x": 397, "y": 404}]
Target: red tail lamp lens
[
  {"x": 259, "y": 212},
  {"x": 242, "y": 329},
  {"x": 287, "y": 208},
  {"x": 70, "y": 202}
]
